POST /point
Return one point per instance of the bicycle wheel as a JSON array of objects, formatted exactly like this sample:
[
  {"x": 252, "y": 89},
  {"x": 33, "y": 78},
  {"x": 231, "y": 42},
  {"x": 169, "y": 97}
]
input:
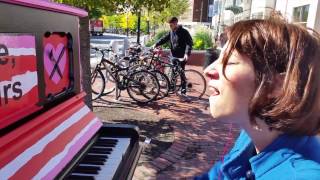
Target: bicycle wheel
[
  {"x": 138, "y": 67},
  {"x": 97, "y": 84},
  {"x": 196, "y": 84},
  {"x": 110, "y": 82},
  {"x": 168, "y": 71},
  {"x": 163, "y": 83},
  {"x": 143, "y": 86}
]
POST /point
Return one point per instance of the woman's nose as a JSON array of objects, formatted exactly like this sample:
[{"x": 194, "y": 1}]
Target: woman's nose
[{"x": 211, "y": 72}]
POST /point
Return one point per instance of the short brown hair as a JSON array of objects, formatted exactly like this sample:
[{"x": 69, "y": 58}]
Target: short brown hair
[
  {"x": 277, "y": 47},
  {"x": 173, "y": 20}
]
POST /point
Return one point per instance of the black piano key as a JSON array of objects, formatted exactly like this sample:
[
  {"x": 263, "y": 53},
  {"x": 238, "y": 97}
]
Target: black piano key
[
  {"x": 100, "y": 150},
  {"x": 105, "y": 144},
  {"x": 101, "y": 147},
  {"x": 96, "y": 156},
  {"x": 93, "y": 162},
  {"x": 95, "y": 159},
  {"x": 79, "y": 177},
  {"x": 85, "y": 171},
  {"x": 81, "y": 166},
  {"x": 107, "y": 140}
]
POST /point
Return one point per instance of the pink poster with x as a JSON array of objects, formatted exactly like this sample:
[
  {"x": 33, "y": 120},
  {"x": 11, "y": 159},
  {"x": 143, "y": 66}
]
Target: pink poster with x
[{"x": 56, "y": 64}]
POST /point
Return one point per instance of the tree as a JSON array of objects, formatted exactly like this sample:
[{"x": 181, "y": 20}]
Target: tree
[
  {"x": 174, "y": 8},
  {"x": 98, "y": 8},
  {"x": 138, "y": 5},
  {"x": 95, "y": 8},
  {"x": 128, "y": 20}
]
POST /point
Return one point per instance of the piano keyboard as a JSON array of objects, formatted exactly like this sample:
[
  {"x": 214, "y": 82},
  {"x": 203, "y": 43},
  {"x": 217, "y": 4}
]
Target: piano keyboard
[{"x": 101, "y": 160}]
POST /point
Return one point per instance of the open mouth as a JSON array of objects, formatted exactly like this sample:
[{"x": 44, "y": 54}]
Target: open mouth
[{"x": 215, "y": 91}]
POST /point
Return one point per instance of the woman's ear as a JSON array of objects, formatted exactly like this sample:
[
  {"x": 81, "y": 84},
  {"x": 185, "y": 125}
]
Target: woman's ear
[{"x": 277, "y": 85}]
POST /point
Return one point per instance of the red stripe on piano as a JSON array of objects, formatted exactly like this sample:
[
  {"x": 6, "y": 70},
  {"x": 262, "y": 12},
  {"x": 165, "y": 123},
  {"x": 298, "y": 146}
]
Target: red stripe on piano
[
  {"x": 74, "y": 150},
  {"x": 14, "y": 143},
  {"x": 52, "y": 148}
]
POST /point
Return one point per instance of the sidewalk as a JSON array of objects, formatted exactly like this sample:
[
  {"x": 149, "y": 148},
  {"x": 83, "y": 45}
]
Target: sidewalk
[
  {"x": 199, "y": 141},
  {"x": 196, "y": 141}
]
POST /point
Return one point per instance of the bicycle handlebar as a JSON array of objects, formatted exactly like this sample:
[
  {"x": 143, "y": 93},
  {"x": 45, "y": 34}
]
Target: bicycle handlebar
[{"x": 102, "y": 50}]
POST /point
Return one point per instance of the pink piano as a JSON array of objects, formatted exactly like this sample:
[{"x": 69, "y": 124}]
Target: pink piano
[{"x": 46, "y": 129}]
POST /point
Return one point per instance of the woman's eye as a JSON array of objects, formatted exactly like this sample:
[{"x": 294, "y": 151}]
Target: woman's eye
[{"x": 232, "y": 63}]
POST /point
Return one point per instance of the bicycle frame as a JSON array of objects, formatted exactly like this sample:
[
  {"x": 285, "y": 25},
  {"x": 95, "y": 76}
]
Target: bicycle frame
[{"x": 121, "y": 83}]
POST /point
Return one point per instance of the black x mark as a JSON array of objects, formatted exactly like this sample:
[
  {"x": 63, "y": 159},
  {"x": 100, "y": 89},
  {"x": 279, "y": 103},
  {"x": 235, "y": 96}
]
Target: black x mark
[{"x": 56, "y": 62}]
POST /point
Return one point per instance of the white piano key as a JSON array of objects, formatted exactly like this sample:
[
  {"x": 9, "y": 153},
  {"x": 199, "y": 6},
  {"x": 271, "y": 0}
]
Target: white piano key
[{"x": 109, "y": 169}]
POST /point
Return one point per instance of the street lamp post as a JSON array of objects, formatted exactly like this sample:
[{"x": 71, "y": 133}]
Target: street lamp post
[
  {"x": 139, "y": 23},
  {"x": 148, "y": 24}
]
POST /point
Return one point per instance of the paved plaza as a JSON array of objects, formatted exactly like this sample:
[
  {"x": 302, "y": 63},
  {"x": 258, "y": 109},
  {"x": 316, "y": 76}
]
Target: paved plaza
[{"x": 194, "y": 143}]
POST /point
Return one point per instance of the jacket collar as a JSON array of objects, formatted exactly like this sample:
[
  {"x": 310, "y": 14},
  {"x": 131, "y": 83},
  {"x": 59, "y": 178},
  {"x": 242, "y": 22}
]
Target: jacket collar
[
  {"x": 241, "y": 156},
  {"x": 236, "y": 162},
  {"x": 178, "y": 29},
  {"x": 276, "y": 153}
]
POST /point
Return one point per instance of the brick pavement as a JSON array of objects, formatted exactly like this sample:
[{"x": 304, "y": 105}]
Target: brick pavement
[{"x": 199, "y": 140}]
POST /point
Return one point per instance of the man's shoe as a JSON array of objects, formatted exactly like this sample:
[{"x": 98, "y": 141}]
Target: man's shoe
[{"x": 184, "y": 97}]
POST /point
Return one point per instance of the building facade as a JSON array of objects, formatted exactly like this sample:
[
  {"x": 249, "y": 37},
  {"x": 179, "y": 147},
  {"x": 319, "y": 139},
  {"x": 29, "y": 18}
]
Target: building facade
[
  {"x": 199, "y": 12},
  {"x": 306, "y": 12}
]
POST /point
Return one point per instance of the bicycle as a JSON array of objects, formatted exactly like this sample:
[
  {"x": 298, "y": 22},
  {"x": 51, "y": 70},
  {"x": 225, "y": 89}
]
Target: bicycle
[
  {"x": 141, "y": 85},
  {"x": 195, "y": 82},
  {"x": 141, "y": 62}
]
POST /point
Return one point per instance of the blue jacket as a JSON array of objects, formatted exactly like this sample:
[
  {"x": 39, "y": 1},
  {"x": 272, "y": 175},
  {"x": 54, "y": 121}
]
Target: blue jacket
[{"x": 287, "y": 157}]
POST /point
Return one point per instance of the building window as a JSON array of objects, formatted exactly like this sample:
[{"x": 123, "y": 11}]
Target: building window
[
  {"x": 300, "y": 14},
  {"x": 257, "y": 15}
]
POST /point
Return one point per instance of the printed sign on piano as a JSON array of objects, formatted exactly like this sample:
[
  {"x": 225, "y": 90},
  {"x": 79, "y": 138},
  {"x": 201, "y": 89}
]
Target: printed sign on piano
[
  {"x": 56, "y": 60},
  {"x": 18, "y": 77}
]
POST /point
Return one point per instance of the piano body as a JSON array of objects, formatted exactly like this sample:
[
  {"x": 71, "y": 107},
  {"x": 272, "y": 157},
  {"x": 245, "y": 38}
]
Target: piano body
[{"x": 46, "y": 130}]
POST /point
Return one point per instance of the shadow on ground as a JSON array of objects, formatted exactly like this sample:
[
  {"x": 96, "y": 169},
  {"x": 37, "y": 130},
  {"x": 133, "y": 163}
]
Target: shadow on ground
[
  {"x": 159, "y": 120},
  {"x": 158, "y": 129}
]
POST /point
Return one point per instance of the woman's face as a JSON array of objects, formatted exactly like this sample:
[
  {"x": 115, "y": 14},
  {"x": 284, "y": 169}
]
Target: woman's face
[{"x": 230, "y": 95}]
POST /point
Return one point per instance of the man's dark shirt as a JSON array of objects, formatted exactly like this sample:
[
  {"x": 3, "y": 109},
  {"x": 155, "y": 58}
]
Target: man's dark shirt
[{"x": 180, "y": 42}]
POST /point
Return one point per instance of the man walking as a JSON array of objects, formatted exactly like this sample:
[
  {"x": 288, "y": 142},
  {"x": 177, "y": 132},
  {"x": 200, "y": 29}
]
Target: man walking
[{"x": 180, "y": 45}]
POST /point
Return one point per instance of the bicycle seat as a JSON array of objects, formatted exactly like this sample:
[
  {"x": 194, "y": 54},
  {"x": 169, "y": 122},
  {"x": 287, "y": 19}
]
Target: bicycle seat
[
  {"x": 122, "y": 65},
  {"x": 126, "y": 58}
]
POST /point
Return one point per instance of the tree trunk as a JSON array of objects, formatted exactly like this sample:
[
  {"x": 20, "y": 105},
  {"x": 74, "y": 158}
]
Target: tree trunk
[{"x": 85, "y": 59}]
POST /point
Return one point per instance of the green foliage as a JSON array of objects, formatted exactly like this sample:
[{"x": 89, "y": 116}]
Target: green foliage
[
  {"x": 128, "y": 20},
  {"x": 174, "y": 8},
  {"x": 113, "y": 21},
  {"x": 202, "y": 39},
  {"x": 97, "y": 8},
  {"x": 137, "y": 5},
  {"x": 113, "y": 12},
  {"x": 157, "y": 36}
]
